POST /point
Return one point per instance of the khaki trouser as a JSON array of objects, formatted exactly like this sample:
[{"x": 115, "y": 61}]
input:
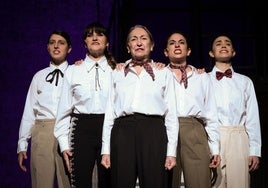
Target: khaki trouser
[
  {"x": 46, "y": 161},
  {"x": 233, "y": 171},
  {"x": 193, "y": 155}
]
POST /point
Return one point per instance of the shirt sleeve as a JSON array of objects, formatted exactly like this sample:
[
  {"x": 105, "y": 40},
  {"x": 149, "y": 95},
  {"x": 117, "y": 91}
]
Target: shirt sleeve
[
  {"x": 210, "y": 112},
  {"x": 252, "y": 123},
  {"x": 63, "y": 124},
  {"x": 171, "y": 119},
  {"x": 28, "y": 117},
  {"x": 108, "y": 121}
]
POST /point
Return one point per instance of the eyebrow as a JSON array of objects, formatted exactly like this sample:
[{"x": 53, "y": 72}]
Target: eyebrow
[
  {"x": 55, "y": 40},
  {"x": 143, "y": 35},
  {"x": 173, "y": 40},
  {"x": 225, "y": 40}
]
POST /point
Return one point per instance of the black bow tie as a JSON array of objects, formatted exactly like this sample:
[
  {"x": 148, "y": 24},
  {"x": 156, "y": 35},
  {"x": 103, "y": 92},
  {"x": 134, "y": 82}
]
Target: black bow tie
[{"x": 50, "y": 77}]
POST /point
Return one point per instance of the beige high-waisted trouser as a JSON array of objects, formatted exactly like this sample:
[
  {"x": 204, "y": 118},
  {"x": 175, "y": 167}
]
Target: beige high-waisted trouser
[
  {"x": 233, "y": 171},
  {"x": 46, "y": 161}
]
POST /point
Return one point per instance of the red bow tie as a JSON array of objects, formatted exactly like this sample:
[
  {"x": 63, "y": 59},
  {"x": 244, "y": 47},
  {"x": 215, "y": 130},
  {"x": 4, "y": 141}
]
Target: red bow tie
[{"x": 227, "y": 73}]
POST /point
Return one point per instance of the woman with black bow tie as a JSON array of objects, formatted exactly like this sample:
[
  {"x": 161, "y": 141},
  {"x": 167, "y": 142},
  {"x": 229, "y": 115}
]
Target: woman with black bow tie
[{"x": 38, "y": 120}]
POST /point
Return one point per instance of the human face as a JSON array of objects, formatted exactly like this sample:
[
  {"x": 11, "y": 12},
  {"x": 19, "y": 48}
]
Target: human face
[
  {"x": 58, "y": 49},
  {"x": 96, "y": 43},
  {"x": 139, "y": 44},
  {"x": 177, "y": 48},
  {"x": 222, "y": 49}
]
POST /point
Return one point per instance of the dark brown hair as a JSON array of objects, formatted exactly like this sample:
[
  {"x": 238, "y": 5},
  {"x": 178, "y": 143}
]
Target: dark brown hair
[
  {"x": 62, "y": 33},
  {"x": 100, "y": 29}
]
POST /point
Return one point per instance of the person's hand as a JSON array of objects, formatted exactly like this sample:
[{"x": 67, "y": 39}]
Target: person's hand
[
  {"x": 159, "y": 65},
  {"x": 200, "y": 71},
  {"x": 105, "y": 161},
  {"x": 79, "y": 62},
  {"x": 66, "y": 156},
  {"x": 170, "y": 162},
  {"x": 119, "y": 66},
  {"x": 21, "y": 157},
  {"x": 215, "y": 161},
  {"x": 254, "y": 162}
]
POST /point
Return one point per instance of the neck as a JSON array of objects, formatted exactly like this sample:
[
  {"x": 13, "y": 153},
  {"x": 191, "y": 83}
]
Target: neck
[
  {"x": 57, "y": 63},
  {"x": 223, "y": 66},
  {"x": 141, "y": 60},
  {"x": 179, "y": 64},
  {"x": 95, "y": 57}
]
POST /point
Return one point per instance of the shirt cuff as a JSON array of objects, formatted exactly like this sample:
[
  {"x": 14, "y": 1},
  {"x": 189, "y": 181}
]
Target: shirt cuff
[
  {"x": 105, "y": 149},
  {"x": 214, "y": 149},
  {"x": 22, "y": 146},
  {"x": 255, "y": 151},
  {"x": 171, "y": 150},
  {"x": 64, "y": 143}
]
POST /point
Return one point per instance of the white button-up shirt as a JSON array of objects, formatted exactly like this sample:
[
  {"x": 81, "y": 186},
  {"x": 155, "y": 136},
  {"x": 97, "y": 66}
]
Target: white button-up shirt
[
  {"x": 85, "y": 91},
  {"x": 139, "y": 93},
  {"x": 237, "y": 105},
  {"x": 41, "y": 102},
  {"x": 198, "y": 100}
]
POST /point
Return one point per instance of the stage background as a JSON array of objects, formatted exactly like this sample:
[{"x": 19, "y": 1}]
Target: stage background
[{"x": 25, "y": 26}]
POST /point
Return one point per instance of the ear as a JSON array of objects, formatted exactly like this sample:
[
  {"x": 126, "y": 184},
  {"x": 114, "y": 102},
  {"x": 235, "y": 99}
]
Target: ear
[
  {"x": 85, "y": 44},
  {"x": 70, "y": 49},
  {"x": 152, "y": 47},
  {"x": 211, "y": 54},
  {"x": 234, "y": 53},
  {"x": 189, "y": 51},
  {"x": 128, "y": 49},
  {"x": 166, "y": 52}
]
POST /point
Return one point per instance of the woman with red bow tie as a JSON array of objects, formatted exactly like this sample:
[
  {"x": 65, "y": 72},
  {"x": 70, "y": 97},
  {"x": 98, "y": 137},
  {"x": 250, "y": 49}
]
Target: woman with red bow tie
[{"x": 238, "y": 116}]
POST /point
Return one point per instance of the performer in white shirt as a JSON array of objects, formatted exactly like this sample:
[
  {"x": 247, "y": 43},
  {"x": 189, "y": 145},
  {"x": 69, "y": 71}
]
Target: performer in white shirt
[
  {"x": 198, "y": 139},
  {"x": 140, "y": 126},
  {"x": 81, "y": 109},
  {"x": 38, "y": 119},
  {"x": 238, "y": 116}
]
